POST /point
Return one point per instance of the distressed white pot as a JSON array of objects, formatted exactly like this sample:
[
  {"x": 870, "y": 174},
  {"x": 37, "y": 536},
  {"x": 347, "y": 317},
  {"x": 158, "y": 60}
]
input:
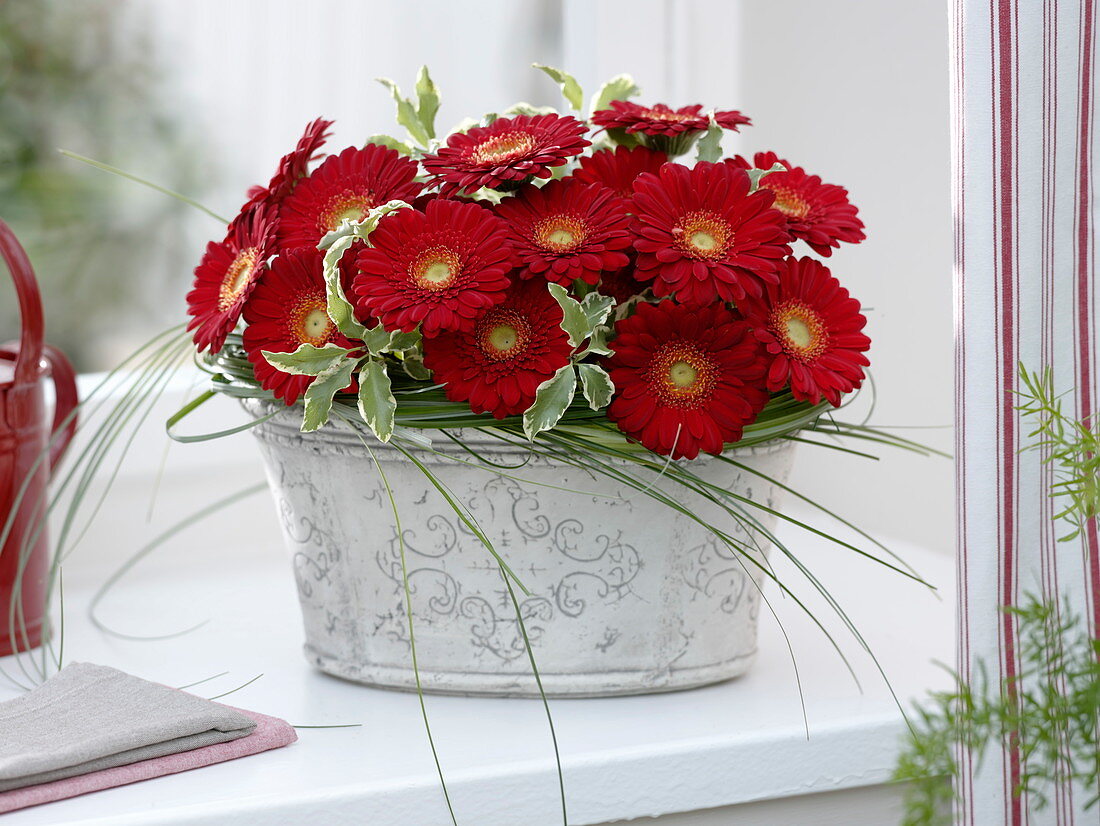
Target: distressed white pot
[{"x": 627, "y": 596}]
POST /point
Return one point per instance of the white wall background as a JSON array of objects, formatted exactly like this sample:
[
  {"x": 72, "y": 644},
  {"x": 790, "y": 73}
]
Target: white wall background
[{"x": 855, "y": 90}]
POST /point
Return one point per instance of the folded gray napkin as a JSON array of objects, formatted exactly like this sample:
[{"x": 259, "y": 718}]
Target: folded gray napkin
[{"x": 91, "y": 717}]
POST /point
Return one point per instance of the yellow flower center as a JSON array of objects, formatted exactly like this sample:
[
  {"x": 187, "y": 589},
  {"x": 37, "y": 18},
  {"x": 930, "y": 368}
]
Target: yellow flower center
[
  {"x": 560, "y": 233},
  {"x": 787, "y": 201},
  {"x": 436, "y": 268},
  {"x": 237, "y": 277},
  {"x": 703, "y": 235},
  {"x": 503, "y": 147},
  {"x": 316, "y": 326},
  {"x": 682, "y": 375},
  {"x": 503, "y": 338},
  {"x": 503, "y": 334},
  {"x": 348, "y": 205},
  {"x": 800, "y": 329}
]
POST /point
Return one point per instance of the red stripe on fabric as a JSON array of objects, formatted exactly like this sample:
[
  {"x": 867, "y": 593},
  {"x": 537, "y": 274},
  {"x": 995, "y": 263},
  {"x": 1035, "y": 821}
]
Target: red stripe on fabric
[{"x": 1005, "y": 240}]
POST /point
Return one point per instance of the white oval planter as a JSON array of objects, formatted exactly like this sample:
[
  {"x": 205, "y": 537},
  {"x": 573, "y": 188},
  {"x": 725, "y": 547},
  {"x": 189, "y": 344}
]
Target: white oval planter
[{"x": 627, "y": 596}]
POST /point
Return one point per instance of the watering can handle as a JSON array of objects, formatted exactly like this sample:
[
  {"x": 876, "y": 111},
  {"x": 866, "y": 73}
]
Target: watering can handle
[
  {"x": 28, "y": 359},
  {"x": 65, "y": 403},
  {"x": 27, "y": 363}
]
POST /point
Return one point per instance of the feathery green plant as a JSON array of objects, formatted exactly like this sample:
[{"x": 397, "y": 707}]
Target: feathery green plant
[{"x": 1052, "y": 707}]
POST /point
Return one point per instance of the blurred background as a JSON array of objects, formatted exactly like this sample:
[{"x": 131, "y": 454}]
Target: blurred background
[{"x": 204, "y": 96}]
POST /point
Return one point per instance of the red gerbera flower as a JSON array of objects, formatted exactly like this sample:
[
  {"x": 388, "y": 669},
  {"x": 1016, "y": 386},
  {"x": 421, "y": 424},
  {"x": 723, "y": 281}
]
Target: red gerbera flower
[
  {"x": 661, "y": 127},
  {"x": 811, "y": 326},
  {"x": 507, "y": 152},
  {"x": 347, "y": 185},
  {"x": 621, "y": 284},
  {"x": 701, "y": 235},
  {"x": 441, "y": 267},
  {"x": 686, "y": 379},
  {"x": 292, "y": 167},
  {"x": 498, "y": 364},
  {"x": 618, "y": 168},
  {"x": 817, "y": 212},
  {"x": 288, "y": 308},
  {"x": 226, "y": 276},
  {"x": 567, "y": 230}
]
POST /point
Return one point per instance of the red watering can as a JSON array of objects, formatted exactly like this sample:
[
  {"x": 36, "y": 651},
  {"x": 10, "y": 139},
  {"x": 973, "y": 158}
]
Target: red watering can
[{"x": 25, "y": 462}]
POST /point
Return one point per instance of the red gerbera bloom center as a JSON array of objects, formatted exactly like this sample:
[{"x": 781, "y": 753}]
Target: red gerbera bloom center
[
  {"x": 561, "y": 233},
  {"x": 682, "y": 375},
  {"x": 503, "y": 334},
  {"x": 502, "y": 148},
  {"x": 436, "y": 268},
  {"x": 703, "y": 234},
  {"x": 671, "y": 117},
  {"x": 800, "y": 329},
  {"x": 347, "y": 205},
  {"x": 789, "y": 202},
  {"x": 237, "y": 277},
  {"x": 310, "y": 323}
]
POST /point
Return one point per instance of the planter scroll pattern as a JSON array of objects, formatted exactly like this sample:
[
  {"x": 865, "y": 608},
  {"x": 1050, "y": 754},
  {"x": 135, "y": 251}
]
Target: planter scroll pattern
[{"x": 623, "y": 599}]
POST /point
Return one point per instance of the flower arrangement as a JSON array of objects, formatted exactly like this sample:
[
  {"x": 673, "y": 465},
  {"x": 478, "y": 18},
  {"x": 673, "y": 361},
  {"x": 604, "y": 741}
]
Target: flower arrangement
[
  {"x": 579, "y": 288},
  {"x": 535, "y": 270}
]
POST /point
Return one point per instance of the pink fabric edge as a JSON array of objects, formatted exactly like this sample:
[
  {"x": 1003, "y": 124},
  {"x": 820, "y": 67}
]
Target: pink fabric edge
[{"x": 270, "y": 733}]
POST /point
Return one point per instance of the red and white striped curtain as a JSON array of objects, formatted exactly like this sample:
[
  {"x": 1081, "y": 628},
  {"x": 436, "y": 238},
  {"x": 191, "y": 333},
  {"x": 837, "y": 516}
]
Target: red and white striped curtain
[{"x": 1026, "y": 291}]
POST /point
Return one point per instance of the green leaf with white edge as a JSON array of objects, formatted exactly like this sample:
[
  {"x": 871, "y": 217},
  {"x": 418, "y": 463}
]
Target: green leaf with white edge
[
  {"x": 464, "y": 126},
  {"x": 413, "y": 365},
  {"x": 376, "y": 401},
  {"x": 570, "y": 89},
  {"x": 337, "y": 306},
  {"x": 336, "y": 243},
  {"x": 406, "y": 113},
  {"x": 307, "y": 360},
  {"x": 574, "y": 318},
  {"x": 620, "y": 87},
  {"x": 756, "y": 174},
  {"x": 401, "y": 342},
  {"x": 552, "y": 399},
  {"x": 427, "y": 101},
  {"x": 318, "y": 398},
  {"x": 525, "y": 108},
  {"x": 596, "y": 385},
  {"x": 597, "y": 343},
  {"x": 377, "y": 339},
  {"x": 709, "y": 148},
  {"x": 391, "y": 142},
  {"x": 596, "y": 309},
  {"x": 380, "y": 340}
]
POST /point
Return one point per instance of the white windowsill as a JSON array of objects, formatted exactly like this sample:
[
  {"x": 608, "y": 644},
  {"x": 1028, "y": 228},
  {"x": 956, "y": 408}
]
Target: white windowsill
[{"x": 624, "y": 758}]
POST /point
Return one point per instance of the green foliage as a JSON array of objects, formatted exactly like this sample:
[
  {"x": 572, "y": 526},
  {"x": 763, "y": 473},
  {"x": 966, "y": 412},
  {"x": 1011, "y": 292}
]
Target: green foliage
[
  {"x": 391, "y": 142},
  {"x": 596, "y": 385},
  {"x": 376, "y": 400},
  {"x": 1052, "y": 707},
  {"x": 1072, "y": 448},
  {"x": 552, "y": 399},
  {"x": 755, "y": 175},
  {"x": 570, "y": 89},
  {"x": 524, "y": 108},
  {"x": 709, "y": 148},
  {"x": 335, "y": 244},
  {"x": 319, "y": 395},
  {"x": 620, "y": 87},
  {"x": 308, "y": 359},
  {"x": 427, "y": 101},
  {"x": 419, "y": 118}
]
